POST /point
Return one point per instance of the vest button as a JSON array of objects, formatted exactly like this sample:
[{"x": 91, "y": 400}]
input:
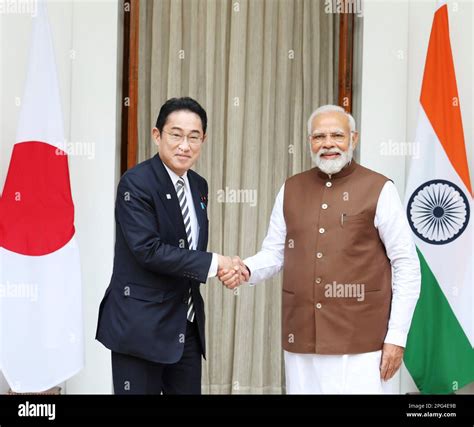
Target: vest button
[
  {"x": 321, "y": 230},
  {"x": 318, "y": 280},
  {"x": 324, "y": 206},
  {"x": 319, "y": 255},
  {"x": 318, "y": 305},
  {"x": 328, "y": 184}
]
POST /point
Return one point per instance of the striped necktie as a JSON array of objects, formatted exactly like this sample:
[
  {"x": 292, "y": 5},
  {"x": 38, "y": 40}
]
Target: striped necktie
[{"x": 187, "y": 225}]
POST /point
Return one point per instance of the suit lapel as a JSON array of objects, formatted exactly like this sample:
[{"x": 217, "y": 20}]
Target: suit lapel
[
  {"x": 200, "y": 212},
  {"x": 168, "y": 195}
]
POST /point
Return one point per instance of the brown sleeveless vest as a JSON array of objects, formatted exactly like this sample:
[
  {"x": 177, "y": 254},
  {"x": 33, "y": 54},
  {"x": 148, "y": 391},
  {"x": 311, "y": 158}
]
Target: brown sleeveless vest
[{"x": 337, "y": 277}]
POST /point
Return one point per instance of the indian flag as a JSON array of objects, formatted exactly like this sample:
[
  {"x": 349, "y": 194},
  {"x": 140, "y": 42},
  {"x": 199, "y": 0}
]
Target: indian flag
[
  {"x": 41, "y": 342},
  {"x": 439, "y": 353}
]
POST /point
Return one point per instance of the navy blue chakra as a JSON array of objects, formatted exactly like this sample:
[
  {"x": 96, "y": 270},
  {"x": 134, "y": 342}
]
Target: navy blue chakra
[{"x": 438, "y": 212}]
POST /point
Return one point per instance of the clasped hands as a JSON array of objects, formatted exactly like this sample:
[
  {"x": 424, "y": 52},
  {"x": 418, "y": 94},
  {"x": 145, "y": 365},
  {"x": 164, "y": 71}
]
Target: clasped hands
[{"x": 232, "y": 271}]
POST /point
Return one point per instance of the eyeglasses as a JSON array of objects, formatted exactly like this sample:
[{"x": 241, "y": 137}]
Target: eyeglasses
[
  {"x": 178, "y": 137},
  {"x": 319, "y": 138}
]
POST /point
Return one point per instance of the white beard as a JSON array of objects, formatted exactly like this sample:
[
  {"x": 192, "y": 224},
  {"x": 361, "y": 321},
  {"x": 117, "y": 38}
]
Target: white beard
[{"x": 332, "y": 166}]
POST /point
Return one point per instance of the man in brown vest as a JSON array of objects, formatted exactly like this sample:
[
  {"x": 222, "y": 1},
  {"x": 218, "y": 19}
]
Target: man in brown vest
[{"x": 351, "y": 276}]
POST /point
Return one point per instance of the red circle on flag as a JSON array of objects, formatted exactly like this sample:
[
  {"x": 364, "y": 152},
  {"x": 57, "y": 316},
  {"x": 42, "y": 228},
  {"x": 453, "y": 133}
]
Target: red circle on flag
[{"x": 36, "y": 208}]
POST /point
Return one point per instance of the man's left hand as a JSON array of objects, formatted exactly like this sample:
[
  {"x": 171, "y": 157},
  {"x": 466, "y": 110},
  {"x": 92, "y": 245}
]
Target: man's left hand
[{"x": 392, "y": 356}]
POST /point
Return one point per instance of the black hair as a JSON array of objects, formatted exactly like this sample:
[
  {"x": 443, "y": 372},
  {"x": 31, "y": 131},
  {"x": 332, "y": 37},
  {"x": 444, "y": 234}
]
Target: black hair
[{"x": 178, "y": 104}]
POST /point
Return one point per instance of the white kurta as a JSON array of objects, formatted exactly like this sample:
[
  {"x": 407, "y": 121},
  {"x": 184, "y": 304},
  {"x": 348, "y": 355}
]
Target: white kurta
[{"x": 359, "y": 373}]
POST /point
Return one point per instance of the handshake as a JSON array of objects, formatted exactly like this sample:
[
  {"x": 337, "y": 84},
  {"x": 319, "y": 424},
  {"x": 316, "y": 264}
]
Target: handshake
[{"x": 232, "y": 271}]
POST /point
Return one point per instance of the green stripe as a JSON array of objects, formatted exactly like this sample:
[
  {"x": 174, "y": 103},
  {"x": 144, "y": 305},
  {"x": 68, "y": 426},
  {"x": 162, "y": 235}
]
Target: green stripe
[{"x": 438, "y": 354}]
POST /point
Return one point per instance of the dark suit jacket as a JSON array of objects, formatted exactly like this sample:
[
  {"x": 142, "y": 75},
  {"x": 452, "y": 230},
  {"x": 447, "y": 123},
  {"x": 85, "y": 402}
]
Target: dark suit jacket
[{"x": 143, "y": 312}]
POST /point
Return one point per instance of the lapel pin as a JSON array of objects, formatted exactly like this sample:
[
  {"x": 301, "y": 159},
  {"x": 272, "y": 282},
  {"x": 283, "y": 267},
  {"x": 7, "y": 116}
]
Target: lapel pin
[
  {"x": 203, "y": 206},
  {"x": 168, "y": 196}
]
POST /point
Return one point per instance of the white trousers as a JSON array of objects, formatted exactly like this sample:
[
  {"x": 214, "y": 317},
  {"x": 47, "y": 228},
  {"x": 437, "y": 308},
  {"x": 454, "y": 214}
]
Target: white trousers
[{"x": 334, "y": 374}]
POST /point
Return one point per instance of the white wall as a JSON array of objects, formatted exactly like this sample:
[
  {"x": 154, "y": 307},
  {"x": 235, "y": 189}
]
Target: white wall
[
  {"x": 395, "y": 39},
  {"x": 95, "y": 109},
  {"x": 86, "y": 36}
]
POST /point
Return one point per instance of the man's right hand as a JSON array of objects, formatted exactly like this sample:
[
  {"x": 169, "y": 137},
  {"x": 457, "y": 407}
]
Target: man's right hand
[{"x": 232, "y": 271}]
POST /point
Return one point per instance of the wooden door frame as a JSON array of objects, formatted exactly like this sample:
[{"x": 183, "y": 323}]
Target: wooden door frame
[
  {"x": 346, "y": 59},
  {"x": 129, "y": 131}
]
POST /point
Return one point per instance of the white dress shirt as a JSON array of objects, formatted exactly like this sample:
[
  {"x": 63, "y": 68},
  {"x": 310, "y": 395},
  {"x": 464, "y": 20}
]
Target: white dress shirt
[
  {"x": 192, "y": 216},
  {"x": 395, "y": 233}
]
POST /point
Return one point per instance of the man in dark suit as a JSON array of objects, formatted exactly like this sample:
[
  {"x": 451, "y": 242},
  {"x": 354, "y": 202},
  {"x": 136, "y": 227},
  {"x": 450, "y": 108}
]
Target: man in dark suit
[{"x": 152, "y": 314}]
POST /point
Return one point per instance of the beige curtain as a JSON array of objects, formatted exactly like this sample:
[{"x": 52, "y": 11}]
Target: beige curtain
[{"x": 259, "y": 68}]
